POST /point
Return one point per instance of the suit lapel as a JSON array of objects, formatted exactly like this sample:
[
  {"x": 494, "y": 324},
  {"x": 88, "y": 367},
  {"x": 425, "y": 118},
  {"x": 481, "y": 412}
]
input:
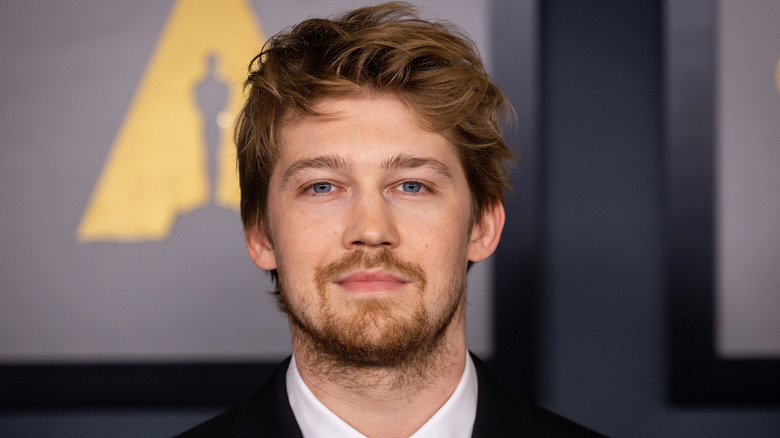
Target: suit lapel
[
  {"x": 268, "y": 413},
  {"x": 499, "y": 412}
]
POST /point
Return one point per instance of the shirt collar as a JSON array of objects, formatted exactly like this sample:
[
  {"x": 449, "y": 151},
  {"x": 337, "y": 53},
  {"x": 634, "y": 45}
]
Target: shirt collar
[{"x": 454, "y": 419}]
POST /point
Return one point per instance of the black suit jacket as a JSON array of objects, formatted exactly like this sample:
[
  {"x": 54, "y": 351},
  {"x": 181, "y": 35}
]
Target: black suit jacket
[{"x": 499, "y": 414}]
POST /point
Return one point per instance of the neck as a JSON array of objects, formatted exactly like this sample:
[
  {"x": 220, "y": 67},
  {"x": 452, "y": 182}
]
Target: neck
[{"x": 386, "y": 401}]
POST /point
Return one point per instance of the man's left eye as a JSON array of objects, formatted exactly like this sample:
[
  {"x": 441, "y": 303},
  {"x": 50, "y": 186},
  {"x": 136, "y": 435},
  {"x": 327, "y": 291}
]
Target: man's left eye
[
  {"x": 411, "y": 187},
  {"x": 322, "y": 187}
]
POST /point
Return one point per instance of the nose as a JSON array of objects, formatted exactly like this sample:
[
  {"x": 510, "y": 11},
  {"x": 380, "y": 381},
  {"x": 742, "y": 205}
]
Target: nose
[{"x": 370, "y": 223}]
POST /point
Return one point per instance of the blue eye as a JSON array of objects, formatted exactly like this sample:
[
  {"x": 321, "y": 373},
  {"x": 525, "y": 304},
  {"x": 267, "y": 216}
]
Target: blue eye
[
  {"x": 322, "y": 187},
  {"x": 411, "y": 187}
]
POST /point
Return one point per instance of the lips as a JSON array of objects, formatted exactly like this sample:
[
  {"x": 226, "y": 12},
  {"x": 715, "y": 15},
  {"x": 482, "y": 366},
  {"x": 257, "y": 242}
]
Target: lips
[{"x": 372, "y": 282}]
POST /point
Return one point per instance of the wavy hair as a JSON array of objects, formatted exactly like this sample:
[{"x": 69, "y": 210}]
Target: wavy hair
[{"x": 432, "y": 66}]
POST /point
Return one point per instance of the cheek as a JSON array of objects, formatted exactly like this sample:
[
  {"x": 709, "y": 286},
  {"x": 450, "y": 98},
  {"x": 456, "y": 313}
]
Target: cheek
[
  {"x": 442, "y": 251},
  {"x": 435, "y": 231},
  {"x": 298, "y": 225},
  {"x": 302, "y": 242}
]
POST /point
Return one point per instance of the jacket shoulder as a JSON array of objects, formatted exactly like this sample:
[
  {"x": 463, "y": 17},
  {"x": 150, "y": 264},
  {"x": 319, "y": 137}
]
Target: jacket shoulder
[
  {"x": 220, "y": 426},
  {"x": 502, "y": 413},
  {"x": 267, "y": 413},
  {"x": 550, "y": 424}
]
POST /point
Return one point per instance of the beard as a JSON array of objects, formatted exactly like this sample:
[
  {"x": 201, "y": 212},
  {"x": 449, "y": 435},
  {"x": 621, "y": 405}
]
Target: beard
[{"x": 373, "y": 332}]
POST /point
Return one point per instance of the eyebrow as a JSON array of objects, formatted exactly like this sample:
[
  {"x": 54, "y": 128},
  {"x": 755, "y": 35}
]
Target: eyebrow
[
  {"x": 320, "y": 162},
  {"x": 340, "y": 163},
  {"x": 410, "y": 162}
]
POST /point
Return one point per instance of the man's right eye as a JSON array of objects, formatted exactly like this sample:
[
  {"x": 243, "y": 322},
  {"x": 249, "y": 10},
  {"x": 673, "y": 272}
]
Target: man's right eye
[{"x": 321, "y": 187}]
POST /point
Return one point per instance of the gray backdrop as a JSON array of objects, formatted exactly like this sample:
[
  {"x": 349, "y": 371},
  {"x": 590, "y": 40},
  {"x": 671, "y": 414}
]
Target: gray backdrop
[
  {"x": 70, "y": 70},
  {"x": 747, "y": 160}
]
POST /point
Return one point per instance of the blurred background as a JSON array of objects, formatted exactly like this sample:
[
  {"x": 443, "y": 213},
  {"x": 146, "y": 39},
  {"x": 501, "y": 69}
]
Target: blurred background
[{"x": 74, "y": 87}]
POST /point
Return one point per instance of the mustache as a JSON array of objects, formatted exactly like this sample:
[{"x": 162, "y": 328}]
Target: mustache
[{"x": 361, "y": 259}]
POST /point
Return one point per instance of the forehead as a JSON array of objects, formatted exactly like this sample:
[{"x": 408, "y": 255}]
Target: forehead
[{"x": 359, "y": 127}]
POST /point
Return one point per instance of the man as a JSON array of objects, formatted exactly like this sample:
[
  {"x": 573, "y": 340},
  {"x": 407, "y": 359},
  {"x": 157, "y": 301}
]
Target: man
[{"x": 372, "y": 171}]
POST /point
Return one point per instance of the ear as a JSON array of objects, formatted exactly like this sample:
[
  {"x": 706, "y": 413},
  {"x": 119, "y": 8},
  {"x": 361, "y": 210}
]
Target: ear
[
  {"x": 260, "y": 249},
  {"x": 486, "y": 232}
]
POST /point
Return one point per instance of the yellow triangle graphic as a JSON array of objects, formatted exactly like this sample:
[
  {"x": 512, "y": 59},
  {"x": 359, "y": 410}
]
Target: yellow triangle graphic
[
  {"x": 158, "y": 167},
  {"x": 777, "y": 76}
]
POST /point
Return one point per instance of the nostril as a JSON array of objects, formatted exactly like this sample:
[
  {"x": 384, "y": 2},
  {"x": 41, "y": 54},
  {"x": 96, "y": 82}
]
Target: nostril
[
  {"x": 368, "y": 244},
  {"x": 371, "y": 224}
]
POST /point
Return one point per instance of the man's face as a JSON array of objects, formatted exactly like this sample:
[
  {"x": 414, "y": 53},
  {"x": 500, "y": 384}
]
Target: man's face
[{"x": 368, "y": 218}]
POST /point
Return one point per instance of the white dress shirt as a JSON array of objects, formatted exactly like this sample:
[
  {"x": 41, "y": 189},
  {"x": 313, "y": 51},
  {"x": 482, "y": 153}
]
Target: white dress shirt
[{"x": 454, "y": 419}]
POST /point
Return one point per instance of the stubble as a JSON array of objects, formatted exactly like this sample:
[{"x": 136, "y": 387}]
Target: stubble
[{"x": 373, "y": 343}]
